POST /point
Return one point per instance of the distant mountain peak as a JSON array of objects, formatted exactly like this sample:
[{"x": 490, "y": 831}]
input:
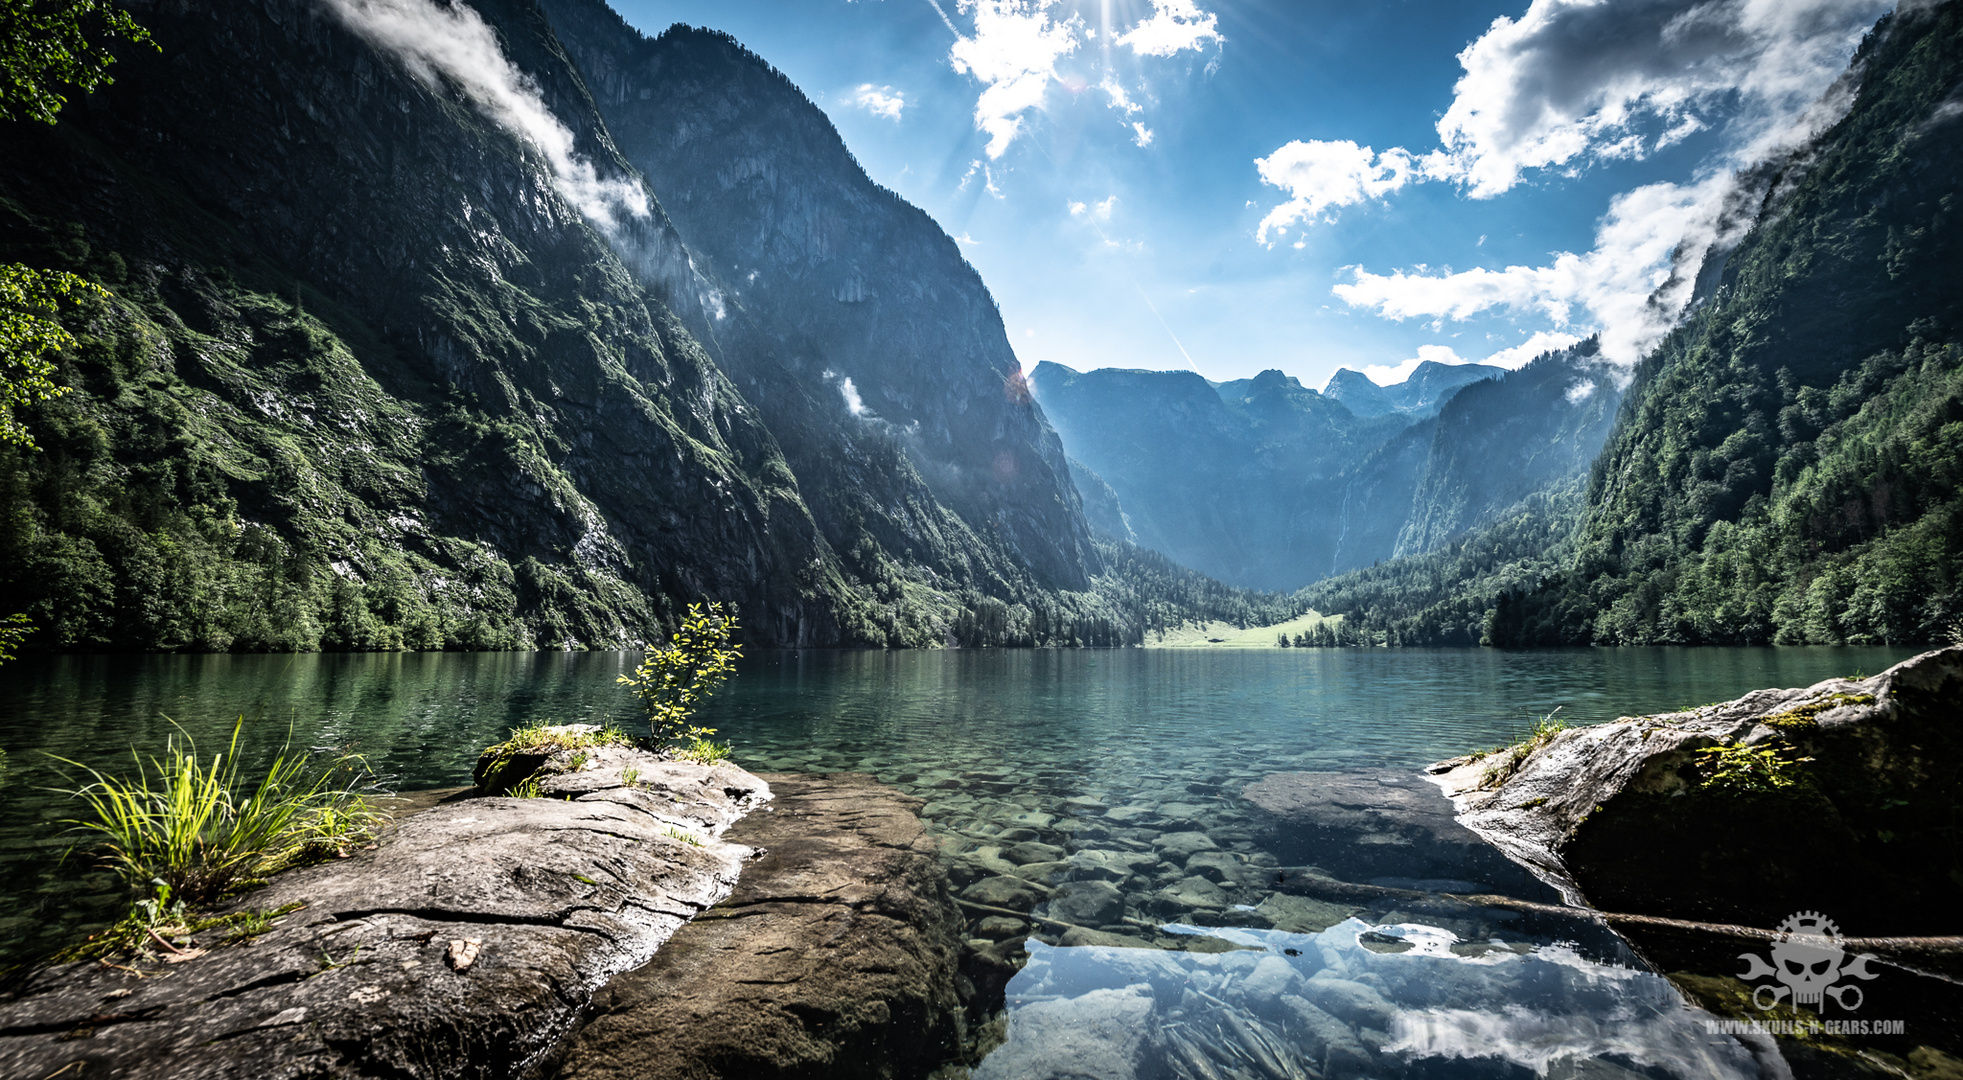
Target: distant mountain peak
[{"x": 1355, "y": 390}]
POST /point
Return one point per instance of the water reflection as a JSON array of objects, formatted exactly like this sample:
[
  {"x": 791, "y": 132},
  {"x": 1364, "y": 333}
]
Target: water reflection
[{"x": 1403, "y": 1000}]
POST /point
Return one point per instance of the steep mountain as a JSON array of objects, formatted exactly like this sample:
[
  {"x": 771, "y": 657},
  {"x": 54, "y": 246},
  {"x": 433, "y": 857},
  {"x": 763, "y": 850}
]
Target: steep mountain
[
  {"x": 1785, "y": 465},
  {"x": 1102, "y": 510},
  {"x": 1183, "y": 464},
  {"x": 1431, "y": 384},
  {"x": 1244, "y": 482},
  {"x": 1422, "y": 393},
  {"x": 403, "y": 351},
  {"x": 1358, "y": 394},
  {"x": 369, "y": 378},
  {"x": 1501, "y": 439},
  {"x": 856, "y": 326}
]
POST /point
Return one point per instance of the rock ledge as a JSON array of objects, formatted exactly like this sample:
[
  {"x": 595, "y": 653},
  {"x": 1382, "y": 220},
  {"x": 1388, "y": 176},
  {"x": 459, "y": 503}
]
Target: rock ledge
[
  {"x": 466, "y": 944},
  {"x": 1626, "y": 814}
]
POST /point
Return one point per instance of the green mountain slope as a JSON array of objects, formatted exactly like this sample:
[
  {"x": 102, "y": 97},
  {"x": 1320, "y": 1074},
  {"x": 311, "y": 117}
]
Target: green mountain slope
[
  {"x": 855, "y": 324},
  {"x": 367, "y": 381},
  {"x": 372, "y": 378},
  {"x": 1784, "y": 466},
  {"x": 1503, "y": 439}
]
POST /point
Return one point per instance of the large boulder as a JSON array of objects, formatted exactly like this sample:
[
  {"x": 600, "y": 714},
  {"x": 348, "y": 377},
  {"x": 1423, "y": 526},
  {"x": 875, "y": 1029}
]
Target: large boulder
[
  {"x": 1840, "y": 798},
  {"x": 465, "y": 944},
  {"x": 835, "y": 956}
]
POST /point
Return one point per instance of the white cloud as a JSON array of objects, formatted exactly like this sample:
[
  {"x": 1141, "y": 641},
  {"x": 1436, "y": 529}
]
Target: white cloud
[
  {"x": 1632, "y": 285},
  {"x": 454, "y": 42},
  {"x": 1013, "y": 54},
  {"x": 1120, "y": 100},
  {"x": 1318, "y": 175},
  {"x": 1577, "y": 78},
  {"x": 1519, "y": 356},
  {"x": 1141, "y": 136},
  {"x": 853, "y": 403},
  {"x": 1511, "y": 359},
  {"x": 880, "y": 101},
  {"x": 1099, "y": 211},
  {"x": 1175, "y": 25},
  {"x": 1612, "y": 284}
]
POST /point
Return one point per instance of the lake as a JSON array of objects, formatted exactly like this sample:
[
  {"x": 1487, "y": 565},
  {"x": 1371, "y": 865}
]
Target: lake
[{"x": 1029, "y": 757}]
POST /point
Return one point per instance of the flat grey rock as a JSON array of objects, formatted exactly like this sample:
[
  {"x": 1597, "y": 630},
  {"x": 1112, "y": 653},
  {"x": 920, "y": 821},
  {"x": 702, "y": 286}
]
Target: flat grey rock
[{"x": 546, "y": 898}]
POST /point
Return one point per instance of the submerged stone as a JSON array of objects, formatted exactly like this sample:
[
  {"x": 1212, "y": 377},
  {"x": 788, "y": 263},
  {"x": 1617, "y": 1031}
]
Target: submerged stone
[
  {"x": 1087, "y": 903},
  {"x": 1005, "y": 892},
  {"x": 1193, "y": 892},
  {"x": 1178, "y": 846},
  {"x": 1216, "y": 866}
]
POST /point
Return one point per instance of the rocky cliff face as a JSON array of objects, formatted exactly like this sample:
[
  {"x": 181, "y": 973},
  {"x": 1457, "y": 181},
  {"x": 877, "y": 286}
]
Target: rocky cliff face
[
  {"x": 1502, "y": 439},
  {"x": 856, "y": 325},
  {"x": 404, "y": 352}
]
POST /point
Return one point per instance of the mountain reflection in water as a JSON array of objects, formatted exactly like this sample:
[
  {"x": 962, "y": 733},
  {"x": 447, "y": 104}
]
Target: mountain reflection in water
[{"x": 1405, "y": 1000}]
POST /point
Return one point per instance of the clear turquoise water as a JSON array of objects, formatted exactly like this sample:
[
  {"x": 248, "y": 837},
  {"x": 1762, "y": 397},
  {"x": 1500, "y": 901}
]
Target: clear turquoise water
[{"x": 1079, "y": 749}]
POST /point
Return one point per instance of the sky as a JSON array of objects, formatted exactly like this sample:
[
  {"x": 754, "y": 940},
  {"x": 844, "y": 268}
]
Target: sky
[{"x": 1229, "y": 186}]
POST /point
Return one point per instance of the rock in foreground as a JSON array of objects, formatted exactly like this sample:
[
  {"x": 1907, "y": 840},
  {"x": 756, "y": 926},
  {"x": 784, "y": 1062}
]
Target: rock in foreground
[
  {"x": 464, "y": 945},
  {"x": 1840, "y": 798},
  {"x": 835, "y": 955}
]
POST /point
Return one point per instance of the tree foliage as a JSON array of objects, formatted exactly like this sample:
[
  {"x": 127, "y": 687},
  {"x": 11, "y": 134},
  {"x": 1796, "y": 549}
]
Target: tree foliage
[
  {"x": 1784, "y": 467},
  {"x": 48, "y": 44},
  {"x": 29, "y": 300},
  {"x": 674, "y": 679}
]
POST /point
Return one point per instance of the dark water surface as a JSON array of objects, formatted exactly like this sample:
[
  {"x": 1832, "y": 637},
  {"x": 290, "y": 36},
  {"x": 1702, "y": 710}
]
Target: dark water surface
[{"x": 1070, "y": 765}]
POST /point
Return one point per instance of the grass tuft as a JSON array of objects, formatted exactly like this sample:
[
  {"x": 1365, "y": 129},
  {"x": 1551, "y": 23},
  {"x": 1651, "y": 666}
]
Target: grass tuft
[
  {"x": 198, "y": 830},
  {"x": 1511, "y": 758},
  {"x": 702, "y": 751}
]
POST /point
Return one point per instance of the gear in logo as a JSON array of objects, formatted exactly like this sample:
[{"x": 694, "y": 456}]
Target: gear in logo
[
  {"x": 1810, "y": 923},
  {"x": 1808, "y": 956}
]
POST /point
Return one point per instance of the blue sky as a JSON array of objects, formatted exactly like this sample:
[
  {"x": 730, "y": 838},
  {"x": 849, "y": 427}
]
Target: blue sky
[{"x": 1230, "y": 186}]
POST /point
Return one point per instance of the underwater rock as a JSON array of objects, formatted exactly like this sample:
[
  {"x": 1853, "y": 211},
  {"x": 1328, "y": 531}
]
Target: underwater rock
[
  {"x": 1361, "y": 826},
  {"x": 1098, "y": 864},
  {"x": 1042, "y": 873},
  {"x": 465, "y": 943},
  {"x": 1216, "y": 866},
  {"x": 835, "y": 955},
  {"x": 1088, "y": 903},
  {"x": 1079, "y": 936},
  {"x": 1098, "y": 1034},
  {"x": 1029, "y": 851},
  {"x": 1834, "y": 798},
  {"x": 1351, "y": 1002},
  {"x": 1005, "y": 892},
  {"x": 1193, "y": 892},
  {"x": 1180, "y": 846},
  {"x": 1327, "y": 1041}
]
